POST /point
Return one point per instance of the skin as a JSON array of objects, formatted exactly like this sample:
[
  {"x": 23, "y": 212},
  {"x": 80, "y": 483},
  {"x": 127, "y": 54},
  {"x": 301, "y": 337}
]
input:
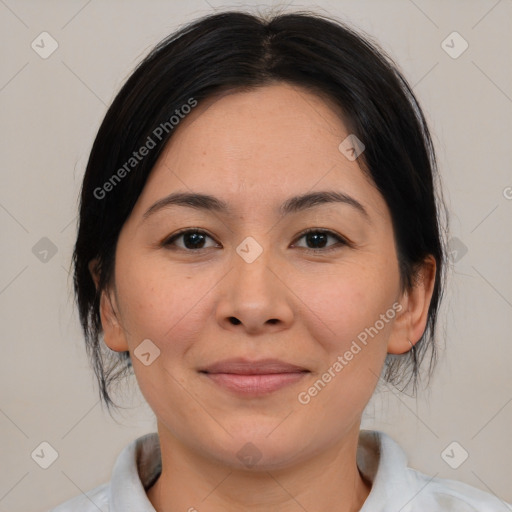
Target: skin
[{"x": 254, "y": 150}]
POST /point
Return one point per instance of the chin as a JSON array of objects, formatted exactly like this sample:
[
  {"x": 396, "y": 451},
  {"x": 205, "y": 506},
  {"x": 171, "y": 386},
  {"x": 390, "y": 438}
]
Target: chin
[{"x": 254, "y": 450}]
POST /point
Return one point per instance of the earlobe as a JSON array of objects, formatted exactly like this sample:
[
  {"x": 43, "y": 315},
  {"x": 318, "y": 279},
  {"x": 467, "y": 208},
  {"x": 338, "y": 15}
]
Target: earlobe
[
  {"x": 113, "y": 333},
  {"x": 411, "y": 322},
  {"x": 93, "y": 270}
]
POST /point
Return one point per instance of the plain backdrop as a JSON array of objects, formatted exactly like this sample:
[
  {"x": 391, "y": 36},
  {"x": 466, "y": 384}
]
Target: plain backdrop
[{"x": 51, "y": 109}]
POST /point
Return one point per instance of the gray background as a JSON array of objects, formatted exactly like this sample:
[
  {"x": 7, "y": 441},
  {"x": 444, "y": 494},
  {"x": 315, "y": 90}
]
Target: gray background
[{"x": 51, "y": 109}]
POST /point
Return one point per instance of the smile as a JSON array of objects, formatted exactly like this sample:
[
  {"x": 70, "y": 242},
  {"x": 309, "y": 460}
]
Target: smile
[{"x": 255, "y": 384}]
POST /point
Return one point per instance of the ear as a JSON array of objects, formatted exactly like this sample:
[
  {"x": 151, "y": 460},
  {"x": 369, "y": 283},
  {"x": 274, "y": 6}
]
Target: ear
[
  {"x": 113, "y": 333},
  {"x": 411, "y": 321}
]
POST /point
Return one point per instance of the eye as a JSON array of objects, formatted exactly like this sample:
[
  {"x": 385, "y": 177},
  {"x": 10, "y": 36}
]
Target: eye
[
  {"x": 318, "y": 238},
  {"x": 193, "y": 239}
]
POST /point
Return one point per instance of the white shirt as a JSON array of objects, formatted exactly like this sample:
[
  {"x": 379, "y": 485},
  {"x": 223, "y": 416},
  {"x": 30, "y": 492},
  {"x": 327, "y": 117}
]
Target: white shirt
[{"x": 395, "y": 487}]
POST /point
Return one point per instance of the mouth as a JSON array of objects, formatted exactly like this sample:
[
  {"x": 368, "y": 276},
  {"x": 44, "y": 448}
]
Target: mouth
[{"x": 253, "y": 378}]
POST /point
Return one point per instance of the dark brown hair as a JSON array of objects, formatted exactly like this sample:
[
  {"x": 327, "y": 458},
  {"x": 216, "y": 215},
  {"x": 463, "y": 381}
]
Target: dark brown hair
[{"x": 237, "y": 50}]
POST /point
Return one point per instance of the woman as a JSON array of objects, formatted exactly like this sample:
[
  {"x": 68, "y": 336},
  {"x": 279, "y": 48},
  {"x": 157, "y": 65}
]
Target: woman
[{"x": 260, "y": 240}]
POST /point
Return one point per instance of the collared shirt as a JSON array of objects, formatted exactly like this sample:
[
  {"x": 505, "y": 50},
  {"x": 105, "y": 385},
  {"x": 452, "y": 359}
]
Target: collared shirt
[{"x": 395, "y": 487}]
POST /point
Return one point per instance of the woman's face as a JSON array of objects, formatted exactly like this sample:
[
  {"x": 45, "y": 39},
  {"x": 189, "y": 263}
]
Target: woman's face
[{"x": 250, "y": 285}]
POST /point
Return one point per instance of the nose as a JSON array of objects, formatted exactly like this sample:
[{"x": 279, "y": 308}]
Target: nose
[{"x": 254, "y": 297}]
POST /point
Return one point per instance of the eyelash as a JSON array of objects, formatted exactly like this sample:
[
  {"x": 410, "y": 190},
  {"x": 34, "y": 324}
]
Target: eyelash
[{"x": 341, "y": 241}]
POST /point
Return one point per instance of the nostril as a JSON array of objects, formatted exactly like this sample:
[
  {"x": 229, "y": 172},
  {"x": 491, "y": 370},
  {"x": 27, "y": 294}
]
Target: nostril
[{"x": 234, "y": 320}]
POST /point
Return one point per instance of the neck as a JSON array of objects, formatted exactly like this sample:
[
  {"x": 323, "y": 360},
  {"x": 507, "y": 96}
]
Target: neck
[{"x": 192, "y": 482}]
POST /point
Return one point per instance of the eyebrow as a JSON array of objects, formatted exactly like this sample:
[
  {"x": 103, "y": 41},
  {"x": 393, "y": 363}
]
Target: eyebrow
[{"x": 292, "y": 205}]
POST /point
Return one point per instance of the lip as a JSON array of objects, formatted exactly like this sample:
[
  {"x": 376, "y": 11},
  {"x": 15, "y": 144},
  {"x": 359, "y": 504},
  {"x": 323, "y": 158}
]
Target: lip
[
  {"x": 253, "y": 378},
  {"x": 241, "y": 366}
]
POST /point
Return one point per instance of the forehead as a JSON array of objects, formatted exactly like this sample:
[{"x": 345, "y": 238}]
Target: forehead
[
  {"x": 248, "y": 146},
  {"x": 260, "y": 128}
]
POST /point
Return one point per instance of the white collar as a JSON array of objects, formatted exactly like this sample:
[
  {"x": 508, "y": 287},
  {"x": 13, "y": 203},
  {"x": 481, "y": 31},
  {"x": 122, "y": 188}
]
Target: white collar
[{"x": 379, "y": 458}]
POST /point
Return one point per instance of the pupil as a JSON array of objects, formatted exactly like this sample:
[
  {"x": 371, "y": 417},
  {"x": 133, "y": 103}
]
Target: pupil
[
  {"x": 316, "y": 237},
  {"x": 197, "y": 239}
]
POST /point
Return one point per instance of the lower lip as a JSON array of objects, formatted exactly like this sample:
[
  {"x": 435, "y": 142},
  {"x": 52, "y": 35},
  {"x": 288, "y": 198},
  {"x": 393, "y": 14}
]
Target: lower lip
[{"x": 255, "y": 385}]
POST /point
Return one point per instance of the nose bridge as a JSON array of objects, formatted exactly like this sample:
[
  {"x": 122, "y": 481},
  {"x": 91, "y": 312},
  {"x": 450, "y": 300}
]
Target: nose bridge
[
  {"x": 251, "y": 262},
  {"x": 253, "y": 294}
]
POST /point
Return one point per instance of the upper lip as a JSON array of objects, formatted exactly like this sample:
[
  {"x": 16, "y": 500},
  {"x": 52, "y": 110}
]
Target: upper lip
[{"x": 243, "y": 366}]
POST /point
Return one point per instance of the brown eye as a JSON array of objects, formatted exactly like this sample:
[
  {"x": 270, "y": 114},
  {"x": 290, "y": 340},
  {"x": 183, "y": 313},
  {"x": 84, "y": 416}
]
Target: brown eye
[
  {"x": 317, "y": 239},
  {"x": 192, "y": 239}
]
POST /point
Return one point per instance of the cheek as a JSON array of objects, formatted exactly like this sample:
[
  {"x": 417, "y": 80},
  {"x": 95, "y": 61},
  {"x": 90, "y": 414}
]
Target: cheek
[
  {"x": 357, "y": 315},
  {"x": 161, "y": 302},
  {"x": 346, "y": 302},
  {"x": 357, "y": 306}
]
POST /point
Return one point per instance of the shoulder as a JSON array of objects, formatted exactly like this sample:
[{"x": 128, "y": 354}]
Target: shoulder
[
  {"x": 400, "y": 487},
  {"x": 440, "y": 495},
  {"x": 92, "y": 501},
  {"x": 136, "y": 467}
]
